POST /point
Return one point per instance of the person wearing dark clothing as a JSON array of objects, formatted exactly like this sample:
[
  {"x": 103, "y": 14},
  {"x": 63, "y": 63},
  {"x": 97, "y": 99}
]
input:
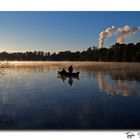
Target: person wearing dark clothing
[
  {"x": 70, "y": 69},
  {"x": 64, "y": 71}
]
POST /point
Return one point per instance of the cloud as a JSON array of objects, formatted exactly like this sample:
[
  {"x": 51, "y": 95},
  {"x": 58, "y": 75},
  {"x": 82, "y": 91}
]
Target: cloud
[
  {"x": 125, "y": 32},
  {"x": 104, "y": 34},
  {"x": 121, "y": 34}
]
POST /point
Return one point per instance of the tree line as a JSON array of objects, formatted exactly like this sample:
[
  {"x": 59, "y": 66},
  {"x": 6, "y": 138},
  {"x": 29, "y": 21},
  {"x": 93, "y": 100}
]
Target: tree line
[{"x": 117, "y": 53}]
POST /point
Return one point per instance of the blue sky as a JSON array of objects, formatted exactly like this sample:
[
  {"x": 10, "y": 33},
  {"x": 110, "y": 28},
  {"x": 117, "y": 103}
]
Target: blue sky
[{"x": 59, "y": 31}]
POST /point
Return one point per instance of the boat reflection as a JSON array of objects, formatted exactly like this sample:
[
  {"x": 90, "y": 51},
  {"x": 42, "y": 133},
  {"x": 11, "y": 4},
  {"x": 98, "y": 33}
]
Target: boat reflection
[
  {"x": 117, "y": 87},
  {"x": 70, "y": 79}
]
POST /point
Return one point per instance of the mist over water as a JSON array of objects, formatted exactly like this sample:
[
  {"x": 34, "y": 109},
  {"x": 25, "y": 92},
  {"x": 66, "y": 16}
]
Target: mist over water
[{"x": 105, "y": 96}]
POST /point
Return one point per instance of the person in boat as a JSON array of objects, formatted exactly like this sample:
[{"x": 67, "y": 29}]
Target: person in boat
[
  {"x": 70, "y": 69},
  {"x": 63, "y": 71}
]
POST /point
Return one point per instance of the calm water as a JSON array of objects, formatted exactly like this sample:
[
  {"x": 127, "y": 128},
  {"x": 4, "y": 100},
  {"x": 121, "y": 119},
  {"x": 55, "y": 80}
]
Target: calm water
[{"x": 37, "y": 98}]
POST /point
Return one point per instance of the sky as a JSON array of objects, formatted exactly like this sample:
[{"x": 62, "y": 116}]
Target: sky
[{"x": 60, "y": 31}]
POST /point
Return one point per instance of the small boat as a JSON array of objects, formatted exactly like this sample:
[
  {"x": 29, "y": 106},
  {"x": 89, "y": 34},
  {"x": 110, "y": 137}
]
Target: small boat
[{"x": 74, "y": 74}]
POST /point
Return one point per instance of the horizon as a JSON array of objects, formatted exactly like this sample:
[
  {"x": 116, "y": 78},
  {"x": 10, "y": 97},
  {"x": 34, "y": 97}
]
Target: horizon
[
  {"x": 61, "y": 31},
  {"x": 63, "y": 50}
]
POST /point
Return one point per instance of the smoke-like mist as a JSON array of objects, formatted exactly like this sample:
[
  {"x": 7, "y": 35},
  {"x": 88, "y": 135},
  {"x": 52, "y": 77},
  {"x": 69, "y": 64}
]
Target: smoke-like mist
[
  {"x": 104, "y": 34},
  {"x": 125, "y": 32},
  {"x": 121, "y": 34}
]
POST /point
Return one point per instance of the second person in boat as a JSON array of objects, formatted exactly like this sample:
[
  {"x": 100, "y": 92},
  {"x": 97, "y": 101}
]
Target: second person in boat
[{"x": 70, "y": 69}]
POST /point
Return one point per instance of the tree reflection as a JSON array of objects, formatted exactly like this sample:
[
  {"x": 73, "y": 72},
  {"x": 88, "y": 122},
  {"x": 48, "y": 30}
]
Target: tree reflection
[
  {"x": 118, "y": 87},
  {"x": 125, "y": 75}
]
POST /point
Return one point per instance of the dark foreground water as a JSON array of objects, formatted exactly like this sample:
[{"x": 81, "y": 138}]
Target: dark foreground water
[{"x": 37, "y": 98}]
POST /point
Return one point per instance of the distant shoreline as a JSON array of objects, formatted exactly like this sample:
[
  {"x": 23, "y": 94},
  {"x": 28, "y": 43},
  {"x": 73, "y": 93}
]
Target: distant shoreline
[
  {"x": 115, "y": 53},
  {"x": 133, "y": 66}
]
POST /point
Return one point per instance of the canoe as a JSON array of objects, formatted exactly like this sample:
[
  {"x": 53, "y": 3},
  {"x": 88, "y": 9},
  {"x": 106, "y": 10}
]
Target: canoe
[{"x": 74, "y": 74}]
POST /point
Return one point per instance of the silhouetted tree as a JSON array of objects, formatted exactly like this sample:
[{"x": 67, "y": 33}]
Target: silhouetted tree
[{"x": 117, "y": 52}]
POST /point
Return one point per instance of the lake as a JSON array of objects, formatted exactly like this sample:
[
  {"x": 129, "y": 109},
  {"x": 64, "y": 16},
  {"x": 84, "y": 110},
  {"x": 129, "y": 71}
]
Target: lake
[{"x": 104, "y": 96}]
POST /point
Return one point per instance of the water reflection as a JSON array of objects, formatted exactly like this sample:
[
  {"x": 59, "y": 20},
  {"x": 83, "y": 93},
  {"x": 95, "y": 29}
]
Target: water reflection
[
  {"x": 118, "y": 87},
  {"x": 70, "y": 79},
  {"x": 33, "y": 98},
  {"x": 125, "y": 75},
  {"x": 5, "y": 122}
]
